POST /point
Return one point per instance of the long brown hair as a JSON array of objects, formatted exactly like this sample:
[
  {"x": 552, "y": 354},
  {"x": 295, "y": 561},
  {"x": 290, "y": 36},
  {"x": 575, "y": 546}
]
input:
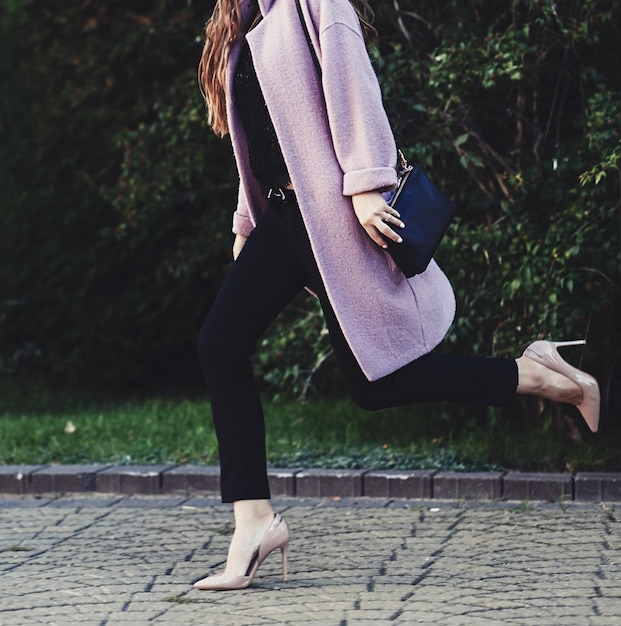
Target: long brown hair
[{"x": 225, "y": 26}]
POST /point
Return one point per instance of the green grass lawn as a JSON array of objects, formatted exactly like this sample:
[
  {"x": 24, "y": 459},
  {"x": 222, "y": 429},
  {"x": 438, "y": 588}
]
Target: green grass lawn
[{"x": 41, "y": 427}]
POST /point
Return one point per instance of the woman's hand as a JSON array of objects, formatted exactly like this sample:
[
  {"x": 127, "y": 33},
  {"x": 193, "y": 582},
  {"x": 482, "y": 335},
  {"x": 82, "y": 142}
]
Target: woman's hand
[
  {"x": 238, "y": 244},
  {"x": 377, "y": 217}
]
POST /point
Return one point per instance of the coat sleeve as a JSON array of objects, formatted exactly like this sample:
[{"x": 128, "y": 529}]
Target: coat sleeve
[
  {"x": 361, "y": 133},
  {"x": 242, "y": 222}
]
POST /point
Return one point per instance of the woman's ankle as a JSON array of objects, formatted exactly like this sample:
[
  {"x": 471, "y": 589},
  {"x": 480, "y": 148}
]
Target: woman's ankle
[
  {"x": 253, "y": 519},
  {"x": 251, "y": 512}
]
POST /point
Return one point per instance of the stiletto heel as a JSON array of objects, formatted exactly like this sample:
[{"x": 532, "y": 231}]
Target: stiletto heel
[
  {"x": 546, "y": 353},
  {"x": 283, "y": 552},
  {"x": 560, "y": 344},
  {"x": 277, "y": 536}
]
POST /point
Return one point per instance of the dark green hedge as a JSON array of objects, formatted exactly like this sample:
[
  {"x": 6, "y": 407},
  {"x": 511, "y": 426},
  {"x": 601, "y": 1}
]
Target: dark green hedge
[{"x": 116, "y": 200}]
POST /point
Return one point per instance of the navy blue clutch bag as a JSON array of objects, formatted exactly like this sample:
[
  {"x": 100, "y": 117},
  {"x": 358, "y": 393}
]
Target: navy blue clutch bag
[{"x": 426, "y": 213}]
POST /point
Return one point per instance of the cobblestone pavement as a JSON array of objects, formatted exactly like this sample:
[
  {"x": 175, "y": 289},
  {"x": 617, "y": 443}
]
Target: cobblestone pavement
[{"x": 105, "y": 561}]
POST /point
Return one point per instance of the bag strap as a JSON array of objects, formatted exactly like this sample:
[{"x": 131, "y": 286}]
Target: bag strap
[
  {"x": 308, "y": 38},
  {"x": 403, "y": 166}
]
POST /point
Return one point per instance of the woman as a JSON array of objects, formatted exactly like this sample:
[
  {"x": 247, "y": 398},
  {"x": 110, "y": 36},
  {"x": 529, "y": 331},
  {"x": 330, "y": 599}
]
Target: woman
[{"x": 314, "y": 154}]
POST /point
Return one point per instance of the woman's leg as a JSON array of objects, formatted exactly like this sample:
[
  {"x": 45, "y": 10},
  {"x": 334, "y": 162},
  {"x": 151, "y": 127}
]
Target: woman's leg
[
  {"x": 264, "y": 278},
  {"x": 432, "y": 377},
  {"x": 439, "y": 377},
  {"x": 444, "y": 377}
]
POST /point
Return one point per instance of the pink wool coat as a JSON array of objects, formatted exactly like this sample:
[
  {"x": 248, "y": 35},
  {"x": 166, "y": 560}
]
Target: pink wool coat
[{"x": 336, "y": 141}]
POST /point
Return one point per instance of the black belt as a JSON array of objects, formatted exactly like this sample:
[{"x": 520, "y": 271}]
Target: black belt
[{"x": 286, "y": 196}]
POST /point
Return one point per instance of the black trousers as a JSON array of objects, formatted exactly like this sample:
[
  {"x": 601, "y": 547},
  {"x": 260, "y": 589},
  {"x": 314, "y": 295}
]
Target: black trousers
[{"x": 275, "y": 264}]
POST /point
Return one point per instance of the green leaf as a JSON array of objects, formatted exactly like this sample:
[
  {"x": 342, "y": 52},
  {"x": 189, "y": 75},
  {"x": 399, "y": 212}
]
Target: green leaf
[{"x": 462, "y": 139}]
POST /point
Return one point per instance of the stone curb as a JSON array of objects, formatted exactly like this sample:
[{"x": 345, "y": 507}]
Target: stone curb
[{"x": 190, "y": 480}]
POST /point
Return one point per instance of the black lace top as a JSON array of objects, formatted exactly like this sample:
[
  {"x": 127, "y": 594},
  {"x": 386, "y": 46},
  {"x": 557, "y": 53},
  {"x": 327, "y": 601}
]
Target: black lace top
[{"x": 266, "y": 160}]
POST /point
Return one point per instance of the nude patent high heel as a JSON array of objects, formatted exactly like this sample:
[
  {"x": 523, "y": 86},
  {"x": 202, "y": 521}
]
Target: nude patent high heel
[
  {"x": 546, "y": 353},
  {"x": 277, "y": 536}
]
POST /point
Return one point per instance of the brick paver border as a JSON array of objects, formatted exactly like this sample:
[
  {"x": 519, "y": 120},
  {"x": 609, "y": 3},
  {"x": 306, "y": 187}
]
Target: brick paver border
[{"x": 312, "y": 483}]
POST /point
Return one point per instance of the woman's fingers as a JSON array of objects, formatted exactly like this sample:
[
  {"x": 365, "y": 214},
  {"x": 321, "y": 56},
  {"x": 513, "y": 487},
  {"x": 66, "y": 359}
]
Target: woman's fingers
[
  {"x": 388, "y": 225},
  {"x": 387, "y": 231},
  {"x": 383, "y": 227},
  {"x": 238, "y": 245},
  {"x": 392, "y": 215},
  {"x": 374, "y": 234},
  {"x": 392, "y": 219},
  {"x": 377, "y": 218}
]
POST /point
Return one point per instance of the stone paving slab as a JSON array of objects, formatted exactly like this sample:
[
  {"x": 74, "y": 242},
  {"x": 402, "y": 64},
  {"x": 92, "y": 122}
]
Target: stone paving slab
[
  {"x": 110, "y": 561},
  {"x": 187, "y": 480}
]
